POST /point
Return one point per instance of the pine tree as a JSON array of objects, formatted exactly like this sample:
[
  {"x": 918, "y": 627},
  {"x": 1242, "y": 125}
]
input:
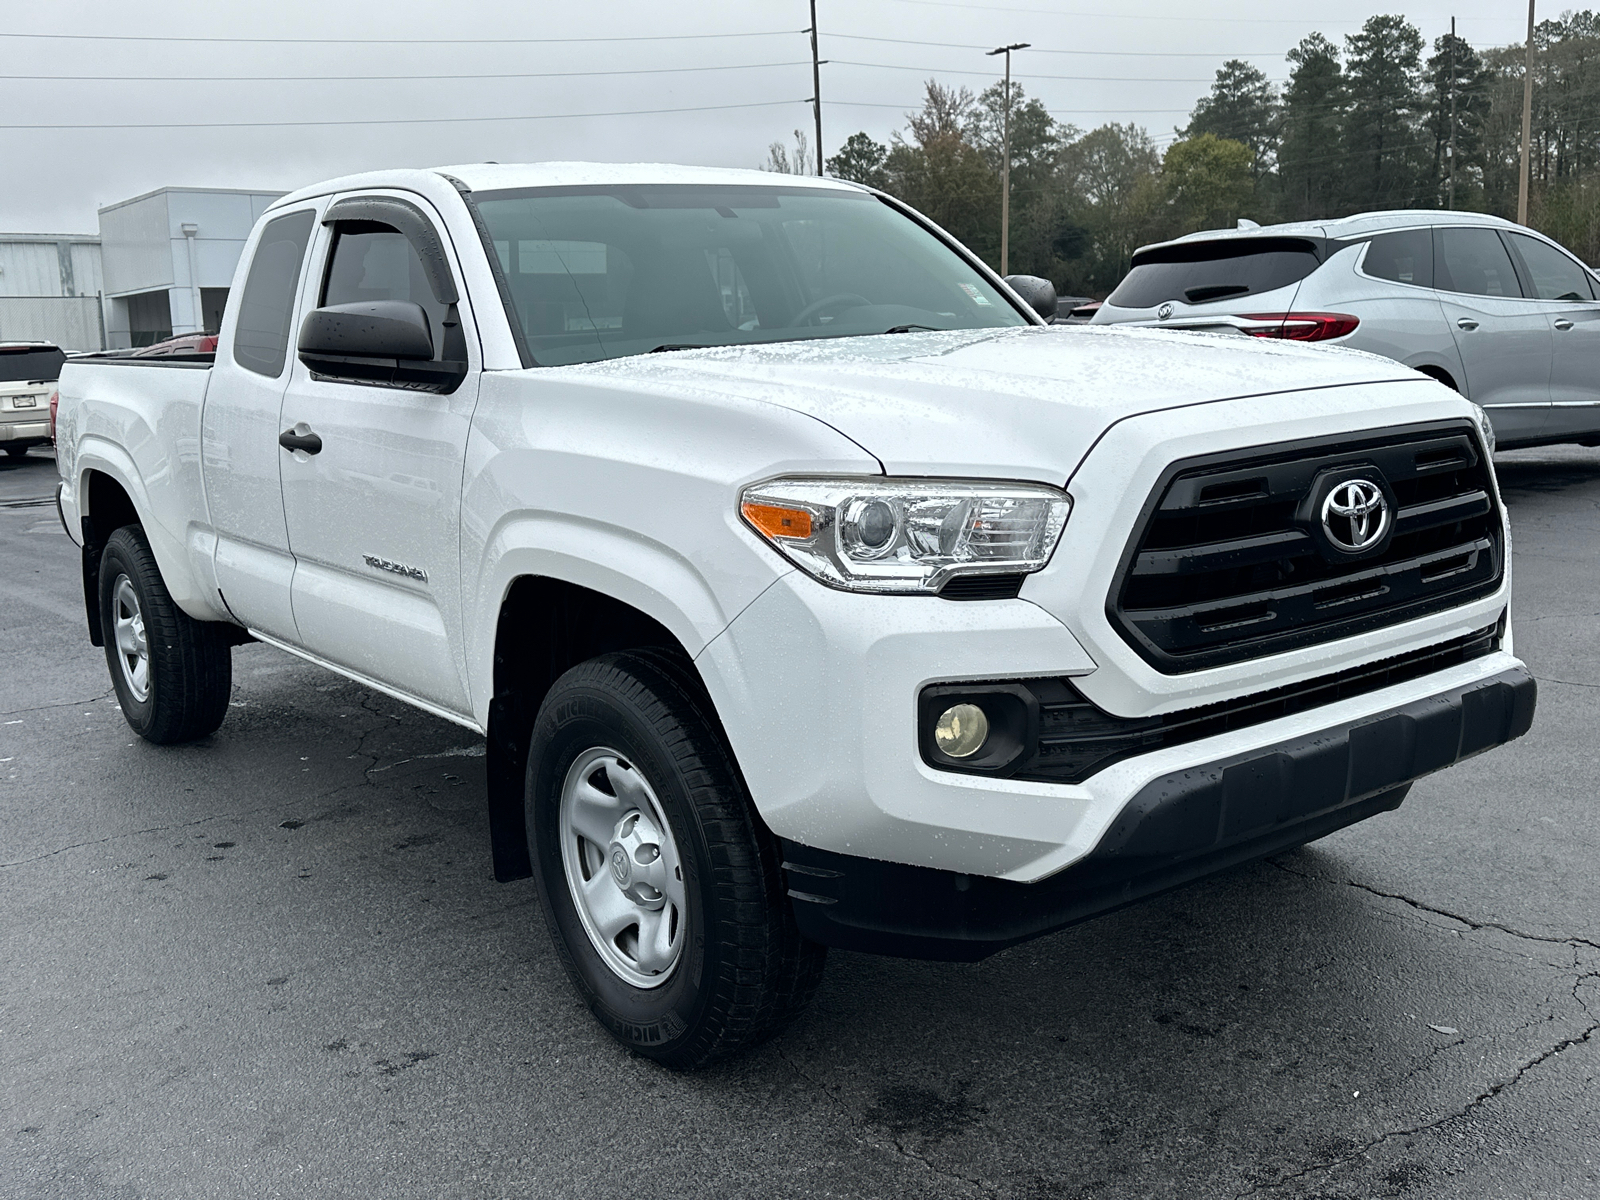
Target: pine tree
[
  {"x": 1384, "y": 166},
  {"x": 1242, "y": 107},
  {"x": 1314, "y": 104}
]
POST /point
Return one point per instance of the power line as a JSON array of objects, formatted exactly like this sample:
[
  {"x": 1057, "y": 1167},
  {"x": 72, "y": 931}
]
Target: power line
[
  {"x": 411, "y": 41},
  {"x": 845, "y": 62},
  {"x": 1079, "y": 111},
  {"x": 638, "y": 112},
  {"x": 388, "y": 78},
  {"x": 1127, "y": 16},
  {"x": 861, "y": 37}
]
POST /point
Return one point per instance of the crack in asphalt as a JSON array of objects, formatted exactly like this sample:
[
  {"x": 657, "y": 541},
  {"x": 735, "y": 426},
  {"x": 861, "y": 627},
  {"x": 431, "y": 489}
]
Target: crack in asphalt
[
  {"x": 1422, "y": 906},
  {"x": 1566, "y": 682},
  {"x": 17, "y": 712},
  {"x": 1490, "y": 1092},
  {"x": 112, "y": 837},
  {"x": 1483, "y": 1097},
  {"x": 861, "y": 1128}
]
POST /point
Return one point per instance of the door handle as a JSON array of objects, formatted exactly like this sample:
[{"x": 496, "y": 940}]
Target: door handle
[
  {"x": 289, "y": 439},
  {"x": 1466, "y": 323},
  {"x": 1563, "y": 324}
]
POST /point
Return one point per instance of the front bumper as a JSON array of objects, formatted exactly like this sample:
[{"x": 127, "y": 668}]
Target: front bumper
[{"x": 1178, "y": 827}]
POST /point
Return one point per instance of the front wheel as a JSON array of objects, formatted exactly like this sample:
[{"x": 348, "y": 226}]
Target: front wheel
[
  {"x": 172, "y": 674},
  {"x": 663, "y": 893}
]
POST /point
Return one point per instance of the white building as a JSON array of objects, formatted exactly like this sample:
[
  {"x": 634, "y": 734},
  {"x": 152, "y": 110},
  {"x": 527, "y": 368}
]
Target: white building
[
  {"x": 169, "y": 257},
  {"x": 49, "y": 289}
]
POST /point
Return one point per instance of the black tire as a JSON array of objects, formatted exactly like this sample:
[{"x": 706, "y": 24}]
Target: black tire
[
  {"x": 17, "y": 451},
  {"x": 188, "y": 674},
  {"x": 743, "y": 971}
]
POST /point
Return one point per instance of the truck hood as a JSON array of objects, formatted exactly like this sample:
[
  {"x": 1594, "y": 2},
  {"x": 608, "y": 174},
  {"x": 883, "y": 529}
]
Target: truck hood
[{"x": 1014, "y": 403}]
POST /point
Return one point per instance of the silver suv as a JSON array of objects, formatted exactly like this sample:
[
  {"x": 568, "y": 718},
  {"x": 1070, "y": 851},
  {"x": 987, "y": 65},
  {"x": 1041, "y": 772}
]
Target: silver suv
[{"x": 1502, "y": 314}]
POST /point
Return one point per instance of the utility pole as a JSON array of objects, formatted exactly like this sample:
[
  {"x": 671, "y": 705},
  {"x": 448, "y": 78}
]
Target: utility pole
[
  {"x": 1452, "y": 203},
  {"x": 1527, "y": 125},
  {"x": 816, "y": 84},
  {"x": 1005, "y": 161}
]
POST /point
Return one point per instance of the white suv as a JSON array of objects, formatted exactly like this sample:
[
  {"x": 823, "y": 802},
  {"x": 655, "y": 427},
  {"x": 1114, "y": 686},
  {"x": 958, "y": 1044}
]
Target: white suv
[{"x": 1500, "y": 313}]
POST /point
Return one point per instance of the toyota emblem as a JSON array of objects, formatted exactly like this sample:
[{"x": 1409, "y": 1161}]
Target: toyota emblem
[
  {"x": 1164, "y": 312},
  {"x": 1355, "y": 516}
]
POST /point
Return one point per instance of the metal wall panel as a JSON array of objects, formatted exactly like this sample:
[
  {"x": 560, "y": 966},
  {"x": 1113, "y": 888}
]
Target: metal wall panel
[{"x": 29, "y": 269}]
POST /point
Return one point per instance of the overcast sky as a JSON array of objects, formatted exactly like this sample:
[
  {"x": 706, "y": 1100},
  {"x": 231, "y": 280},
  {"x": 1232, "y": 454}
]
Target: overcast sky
[{"x": 553, "y": 66}]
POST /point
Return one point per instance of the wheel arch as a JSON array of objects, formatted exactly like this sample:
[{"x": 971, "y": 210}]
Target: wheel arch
[
  {"x": 545, "y": 626},
  {"x": 1433, "y": 371}
]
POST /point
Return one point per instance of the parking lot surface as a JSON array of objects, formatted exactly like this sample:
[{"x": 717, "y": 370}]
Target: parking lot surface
[{"x": 274, "y": 964}]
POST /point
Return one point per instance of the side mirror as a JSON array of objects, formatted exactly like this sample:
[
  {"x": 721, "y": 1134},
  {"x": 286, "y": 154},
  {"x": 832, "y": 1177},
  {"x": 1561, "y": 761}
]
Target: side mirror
[
  {"x": 376, "y": 341},
  {"x": 1038, "y": 294}
]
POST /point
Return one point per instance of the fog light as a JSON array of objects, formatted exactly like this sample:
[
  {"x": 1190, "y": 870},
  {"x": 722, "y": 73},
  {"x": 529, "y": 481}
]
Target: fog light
[{"x": 961, "y": 730}]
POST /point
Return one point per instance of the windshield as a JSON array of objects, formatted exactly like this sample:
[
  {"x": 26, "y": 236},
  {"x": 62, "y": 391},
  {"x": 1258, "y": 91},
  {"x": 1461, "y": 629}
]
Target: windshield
[
  {"x": 30, "y": 364},
  {"x": 1203, "y": 272},
  {"x": 605, "y": 272}
]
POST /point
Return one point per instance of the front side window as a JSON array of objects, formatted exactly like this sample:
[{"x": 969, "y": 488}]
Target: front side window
[
  {"x": 606, "y": 272},
  {"x": 1204, "y": 272},
  {"x": 266, "y": 308},
  {"x": 1553, "y": 274},
  {"x": 1402, "y": 257},
  {"x": 1473, "y": 262},
  {"x": 376, "y": 262}
]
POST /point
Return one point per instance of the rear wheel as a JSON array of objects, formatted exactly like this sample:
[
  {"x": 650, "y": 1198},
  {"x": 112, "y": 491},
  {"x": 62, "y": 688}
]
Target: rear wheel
[
  {"x": 172, "y": 674},
  {"x": 662, "y": 892},
  {"x": 17, "y": 451}
]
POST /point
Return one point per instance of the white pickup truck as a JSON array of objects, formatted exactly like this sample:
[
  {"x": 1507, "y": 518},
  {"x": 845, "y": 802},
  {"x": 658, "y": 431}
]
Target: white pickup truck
[{"x": 809, "y": 587}]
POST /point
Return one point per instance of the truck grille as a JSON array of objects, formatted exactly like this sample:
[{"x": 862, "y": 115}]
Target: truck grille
[{"x": 1234, "y": 560}]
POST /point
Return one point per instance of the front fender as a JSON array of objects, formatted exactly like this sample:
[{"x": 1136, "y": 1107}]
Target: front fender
[{"x": 648, "y": 575}]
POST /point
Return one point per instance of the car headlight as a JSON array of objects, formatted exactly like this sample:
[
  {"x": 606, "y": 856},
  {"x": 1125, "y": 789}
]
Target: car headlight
[
  {"x": 1484, "y": 425},
  {"x": 906, "y": 535}
]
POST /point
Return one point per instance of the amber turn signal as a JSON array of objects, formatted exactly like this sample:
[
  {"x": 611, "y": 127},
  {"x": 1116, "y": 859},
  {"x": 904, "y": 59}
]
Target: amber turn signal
[{"x": 777, "y": 522}]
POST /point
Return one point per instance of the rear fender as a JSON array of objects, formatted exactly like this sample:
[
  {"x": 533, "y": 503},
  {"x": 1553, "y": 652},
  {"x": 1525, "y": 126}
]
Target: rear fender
[{"x": 182, "y": 564}]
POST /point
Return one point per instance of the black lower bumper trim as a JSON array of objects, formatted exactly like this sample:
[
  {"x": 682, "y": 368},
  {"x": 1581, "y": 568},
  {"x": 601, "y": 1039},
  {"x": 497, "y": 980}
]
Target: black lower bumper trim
[{"x": 1178, "y": 828}]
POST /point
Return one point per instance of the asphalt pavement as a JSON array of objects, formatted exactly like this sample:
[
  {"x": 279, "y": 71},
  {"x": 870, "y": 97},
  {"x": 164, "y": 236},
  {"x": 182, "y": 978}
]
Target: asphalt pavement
[{"x": 274, "y": 964}]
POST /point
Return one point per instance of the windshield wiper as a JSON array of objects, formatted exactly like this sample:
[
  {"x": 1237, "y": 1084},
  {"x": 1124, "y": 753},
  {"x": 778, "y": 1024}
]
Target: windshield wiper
[
  {"x": 1215, "y": 291},
  {"x": 913, "y": 329},
  {"x": 677, "y": 346}
]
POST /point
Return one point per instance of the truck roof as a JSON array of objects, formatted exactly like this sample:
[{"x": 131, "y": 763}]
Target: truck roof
[{"x": 495, "y": 176}]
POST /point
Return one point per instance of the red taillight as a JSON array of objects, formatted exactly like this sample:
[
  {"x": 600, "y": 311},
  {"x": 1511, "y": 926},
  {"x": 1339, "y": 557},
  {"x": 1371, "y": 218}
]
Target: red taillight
[
  {"x": 55, "y": 398},
  {"x": 1302, "y": 326}
]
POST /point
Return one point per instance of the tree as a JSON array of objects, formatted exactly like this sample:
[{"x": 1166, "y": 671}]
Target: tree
[
  {"x": 943, "y": 175},
  {"x": 1242, "y": 107},
  {"x": 1208, "y": 180},
  {"x": 1383, "y": 163},
  {"x": 779, "y": 161},
  {"x": 1456, "y": 71},
  {"x": 1110, "y": 177},
  {"x": 1312, "y": 124},
  {"x": 860, "y": 160}
]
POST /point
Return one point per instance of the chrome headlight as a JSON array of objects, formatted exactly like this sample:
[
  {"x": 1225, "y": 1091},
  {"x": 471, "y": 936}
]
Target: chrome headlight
[
  {"x": 1485, "y": 426},
  {"x": 906, "y": 535}
]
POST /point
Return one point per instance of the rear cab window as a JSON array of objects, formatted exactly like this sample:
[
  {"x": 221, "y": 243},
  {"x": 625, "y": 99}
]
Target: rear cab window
[
  {"x": 266, "y": 309},
  {"x": 1208, "y": 271}
]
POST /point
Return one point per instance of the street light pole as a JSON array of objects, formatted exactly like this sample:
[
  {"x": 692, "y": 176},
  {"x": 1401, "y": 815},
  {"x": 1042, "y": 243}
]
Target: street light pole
[
  {"x": 1527, "y": 125},
  {"x": 1005, "y": 161}
]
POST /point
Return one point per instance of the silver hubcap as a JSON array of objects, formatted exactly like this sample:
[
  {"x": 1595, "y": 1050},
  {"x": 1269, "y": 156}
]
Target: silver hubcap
[
  {"x": 622, "y": 868},
  {"x": 133, "y": 650}
]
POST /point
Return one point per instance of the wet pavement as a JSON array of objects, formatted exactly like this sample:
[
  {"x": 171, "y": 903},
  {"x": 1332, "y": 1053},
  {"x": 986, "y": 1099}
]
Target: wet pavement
[{"x": 274, "y": 964}]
